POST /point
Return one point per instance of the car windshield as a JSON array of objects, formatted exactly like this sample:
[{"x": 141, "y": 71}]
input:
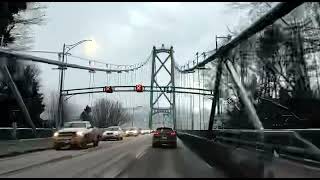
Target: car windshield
[
  {"x": 159, "y": 90},
  {"x": 75, "y": 125},
  {"x": 112, "y": 129}
]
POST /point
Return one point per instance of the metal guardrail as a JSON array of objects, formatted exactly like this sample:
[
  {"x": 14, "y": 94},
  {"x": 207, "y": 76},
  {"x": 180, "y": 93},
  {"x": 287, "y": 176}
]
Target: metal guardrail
[
  {"x": 9, "y": 133},
  {"x": 27, "y": 128}
]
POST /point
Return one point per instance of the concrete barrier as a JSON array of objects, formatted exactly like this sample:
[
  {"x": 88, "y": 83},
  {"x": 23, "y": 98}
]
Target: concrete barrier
[{"x": 14, "y": 147}]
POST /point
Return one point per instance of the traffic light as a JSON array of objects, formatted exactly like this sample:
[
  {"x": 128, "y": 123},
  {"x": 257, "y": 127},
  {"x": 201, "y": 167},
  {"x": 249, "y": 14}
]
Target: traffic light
[
  {"x": 108, "y": 89},
  {"x": 139, "y": 88}
]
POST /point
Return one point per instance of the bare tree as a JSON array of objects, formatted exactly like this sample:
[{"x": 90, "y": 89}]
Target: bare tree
[
  {"x": 109, "y": 113},
  {"x": 51, "y": 109},
  {"x": 18, "y": 33}
]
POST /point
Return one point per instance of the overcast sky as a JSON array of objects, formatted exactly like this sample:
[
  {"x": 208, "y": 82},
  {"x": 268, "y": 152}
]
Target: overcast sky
[{"x": 124, "y": 33}]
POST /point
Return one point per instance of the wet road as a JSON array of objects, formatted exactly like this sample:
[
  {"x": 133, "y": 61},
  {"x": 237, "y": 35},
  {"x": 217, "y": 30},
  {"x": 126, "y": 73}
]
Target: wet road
[{"x": 132, "y": 157}]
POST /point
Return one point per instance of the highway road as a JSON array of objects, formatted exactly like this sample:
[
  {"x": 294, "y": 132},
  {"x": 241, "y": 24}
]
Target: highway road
[{"x": 132, "y": 157}]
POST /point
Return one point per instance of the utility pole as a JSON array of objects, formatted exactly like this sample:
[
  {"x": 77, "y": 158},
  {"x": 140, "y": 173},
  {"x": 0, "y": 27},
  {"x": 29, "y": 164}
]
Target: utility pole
[
  {"x": 62, "y": 69},
  {"x": 60, "y": 107}
]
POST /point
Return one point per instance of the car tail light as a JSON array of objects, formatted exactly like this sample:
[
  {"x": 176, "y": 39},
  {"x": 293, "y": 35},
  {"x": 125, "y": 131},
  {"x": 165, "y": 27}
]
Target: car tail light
[
  {"x": 157, "y": 133},
  {"x": 173, "y": 133}
]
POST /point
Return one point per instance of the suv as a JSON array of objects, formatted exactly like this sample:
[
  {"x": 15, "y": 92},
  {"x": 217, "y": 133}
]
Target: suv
[
  {"x": 113, "y": 132},
  {"x": 76, "y": 133},
  {"x": 164, "y": 136}
]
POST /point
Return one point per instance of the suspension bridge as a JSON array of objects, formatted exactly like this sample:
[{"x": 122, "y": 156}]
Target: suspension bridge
[{"x": 187, "y": 92}]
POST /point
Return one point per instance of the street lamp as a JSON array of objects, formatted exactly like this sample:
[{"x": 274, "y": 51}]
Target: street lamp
[
  {"x": 133, "y": 108},
  {"x": 65, "y": 50}
]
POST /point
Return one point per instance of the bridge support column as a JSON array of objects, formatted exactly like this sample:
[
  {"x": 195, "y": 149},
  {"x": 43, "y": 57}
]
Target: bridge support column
[
  {"x": 216, "y": 93},
  {"x": 244, "y": 97},
  {"x": 16, "y": 94},
  {"x": 163, "y": 91}
]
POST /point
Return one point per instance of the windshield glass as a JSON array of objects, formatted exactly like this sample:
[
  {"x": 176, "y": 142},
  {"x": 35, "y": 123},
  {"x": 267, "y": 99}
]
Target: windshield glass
[
  {"x": 159, "y": 89},
  {"x": 75, "y": 125},
  {"x": 112, "y": 129},
  {"x": 164, "y": 129}
]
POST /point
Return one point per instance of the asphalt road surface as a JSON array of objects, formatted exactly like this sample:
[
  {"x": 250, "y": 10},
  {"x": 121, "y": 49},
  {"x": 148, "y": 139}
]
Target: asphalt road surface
[{"x": 132, "y": 157}]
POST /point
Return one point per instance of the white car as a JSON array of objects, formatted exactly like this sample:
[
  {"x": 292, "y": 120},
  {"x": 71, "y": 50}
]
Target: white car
[
  {"x": 145, "y": 131},
  {"x": 113, "y": 132},
  {"x": 76, "y": 133},
  {"x": 132, "y": 131}
]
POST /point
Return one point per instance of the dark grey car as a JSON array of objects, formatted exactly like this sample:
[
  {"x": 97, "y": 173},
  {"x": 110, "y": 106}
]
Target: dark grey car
[{"x": 164, "y": 136}]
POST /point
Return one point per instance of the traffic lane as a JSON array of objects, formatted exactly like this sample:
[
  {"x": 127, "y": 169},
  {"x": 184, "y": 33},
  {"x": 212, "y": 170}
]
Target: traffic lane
[
  {"x": 25, "y": 161},
  {"x": 103, "y": 162},
  {"x": 121, "y": 160},
  {"x": 170, "y": 163}
]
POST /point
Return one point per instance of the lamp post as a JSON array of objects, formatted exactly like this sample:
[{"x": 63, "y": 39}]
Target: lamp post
[
  {"x": 133, "y": 108},
  {"x": 65, "y": 50}
]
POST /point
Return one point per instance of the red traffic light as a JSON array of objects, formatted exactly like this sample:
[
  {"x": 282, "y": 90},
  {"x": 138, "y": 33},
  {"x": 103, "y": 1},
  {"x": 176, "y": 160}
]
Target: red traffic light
[
  {"x": 108, "y": 89},
  {"x": 139, "y": 88}
]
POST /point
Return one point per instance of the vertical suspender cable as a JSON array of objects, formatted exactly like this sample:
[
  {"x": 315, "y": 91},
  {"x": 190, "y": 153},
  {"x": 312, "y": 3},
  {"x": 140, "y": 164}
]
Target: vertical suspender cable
[{"x": 199, "y": 91}]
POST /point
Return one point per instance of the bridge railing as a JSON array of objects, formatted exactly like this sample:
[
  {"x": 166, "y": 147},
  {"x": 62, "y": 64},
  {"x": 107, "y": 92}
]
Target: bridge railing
[
  {"x": 241, "y": 154},
  {"x": 9, "y": 133},
  {"x": 293, "y": 144}
]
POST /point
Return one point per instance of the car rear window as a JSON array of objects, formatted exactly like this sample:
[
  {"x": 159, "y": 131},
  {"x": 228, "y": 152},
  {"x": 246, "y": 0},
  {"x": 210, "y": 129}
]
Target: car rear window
[{"x": 164, "y": 129}]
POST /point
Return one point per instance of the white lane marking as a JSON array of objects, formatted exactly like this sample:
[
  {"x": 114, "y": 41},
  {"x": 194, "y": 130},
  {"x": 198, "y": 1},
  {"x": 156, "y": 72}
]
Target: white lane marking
[
  {"x": 103, "y": 167},
  {"x": 140, "y": 154},
  {"x": 208, "y": 165}
]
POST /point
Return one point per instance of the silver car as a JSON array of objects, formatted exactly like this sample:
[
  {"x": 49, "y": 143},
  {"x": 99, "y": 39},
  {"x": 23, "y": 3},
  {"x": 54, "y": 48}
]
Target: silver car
[{"x": 113, "y": 132}]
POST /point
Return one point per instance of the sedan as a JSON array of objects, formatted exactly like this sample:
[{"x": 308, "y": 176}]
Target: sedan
[
  {"x": 113, "y": 132},
  {"x": 164, "y": 136}
]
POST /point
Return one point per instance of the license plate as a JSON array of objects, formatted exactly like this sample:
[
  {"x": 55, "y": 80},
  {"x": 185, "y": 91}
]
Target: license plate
[
  {"x": 65, "y": 140},
  {"x": 164, "y": 137}
]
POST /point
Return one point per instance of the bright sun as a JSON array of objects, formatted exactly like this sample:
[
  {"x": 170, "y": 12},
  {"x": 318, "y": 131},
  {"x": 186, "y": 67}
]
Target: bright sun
[{"x": 91, "y": 48}]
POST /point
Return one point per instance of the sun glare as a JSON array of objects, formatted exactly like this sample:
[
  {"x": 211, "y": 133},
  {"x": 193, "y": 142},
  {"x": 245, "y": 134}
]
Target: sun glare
[{"x": 91, "y": 48}]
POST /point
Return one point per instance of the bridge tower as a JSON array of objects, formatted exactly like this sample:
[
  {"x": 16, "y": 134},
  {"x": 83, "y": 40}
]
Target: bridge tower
[{"x": 154, "y": 98}]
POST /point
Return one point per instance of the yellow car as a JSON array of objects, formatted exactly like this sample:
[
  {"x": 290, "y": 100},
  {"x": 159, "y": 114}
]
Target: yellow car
[{"x": 76, "y": 133}]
